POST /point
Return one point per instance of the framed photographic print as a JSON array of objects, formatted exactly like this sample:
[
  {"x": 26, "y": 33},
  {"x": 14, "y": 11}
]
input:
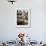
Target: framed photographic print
[{"x": 23, "y": 16}]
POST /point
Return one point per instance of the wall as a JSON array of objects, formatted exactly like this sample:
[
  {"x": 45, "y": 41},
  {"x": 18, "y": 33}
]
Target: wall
[{"x": 8, "y": 29}]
